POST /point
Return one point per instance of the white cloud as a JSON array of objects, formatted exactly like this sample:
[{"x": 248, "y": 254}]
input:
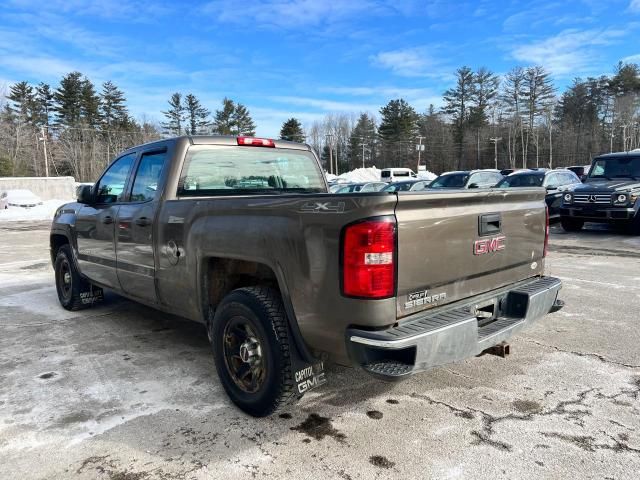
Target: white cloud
[
  {"x": 324, "y": 104},
  {"x": 569, "y": 53},
  {"x": 632, "y": 59},
  {"x": 411, "y": 62},
  {"x": 289, "y": 14},
  {"x": 634, "y": 6}
]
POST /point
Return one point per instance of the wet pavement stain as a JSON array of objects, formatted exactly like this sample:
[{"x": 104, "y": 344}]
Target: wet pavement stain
[
  {"x": 285, "y": 416},
  {"x": 527, "y": 406},
  {"x": 48, "y": 375},
  {"x": 392, "y": 401},
  {"x": 375, "y": 414},
  {"x": 381, "y": 462},
  {"x": 318, "y": 427}
]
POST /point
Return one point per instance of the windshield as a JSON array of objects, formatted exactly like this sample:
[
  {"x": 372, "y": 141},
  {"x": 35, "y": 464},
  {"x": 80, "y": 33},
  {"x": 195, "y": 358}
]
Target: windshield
[
  {"x": 233, "y": 170},
  {"x": 452, "y": 180},
  {"x": 521, "y": 180},
  {"x": 397, "y": 187},
  {"x": 615, "y": 167}
]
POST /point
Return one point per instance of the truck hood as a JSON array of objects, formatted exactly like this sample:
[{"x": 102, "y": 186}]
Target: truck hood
[{"x": 609, "y": 186}]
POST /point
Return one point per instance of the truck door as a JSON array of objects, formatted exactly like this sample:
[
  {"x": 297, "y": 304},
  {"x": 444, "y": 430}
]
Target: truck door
[
  {"x": 136, "y": 227},
  {"x": 95, "y": 224}
]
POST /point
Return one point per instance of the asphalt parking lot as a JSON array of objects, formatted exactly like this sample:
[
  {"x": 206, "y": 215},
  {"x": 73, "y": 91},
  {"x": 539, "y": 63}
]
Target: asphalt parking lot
[{"x": 123, "y": 392}]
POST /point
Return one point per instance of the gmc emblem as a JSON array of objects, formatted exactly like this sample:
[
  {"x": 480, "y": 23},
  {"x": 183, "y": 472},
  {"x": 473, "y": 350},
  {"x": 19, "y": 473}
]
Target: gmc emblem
[{"x": 489, "y": 245}]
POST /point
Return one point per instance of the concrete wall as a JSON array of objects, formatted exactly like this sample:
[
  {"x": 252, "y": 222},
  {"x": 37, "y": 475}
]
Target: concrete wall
[{"x": 47, "y": 188}]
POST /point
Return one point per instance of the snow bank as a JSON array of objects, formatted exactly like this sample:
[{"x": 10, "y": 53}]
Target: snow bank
[
  {"x": 40, "y": 212},
  {"x": 371, "y": 174},
  {"x": 360, "y": 175},
  {"x": 427, "y": 175}
]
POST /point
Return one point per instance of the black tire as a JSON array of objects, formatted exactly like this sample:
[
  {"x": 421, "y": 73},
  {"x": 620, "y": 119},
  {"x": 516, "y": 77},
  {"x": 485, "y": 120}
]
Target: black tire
[
  {"x": 258, "y": 314},
  {"x": 571, "y": 224},
  {"x": 633, "y": 227},
  {"x": 69, "y": 283}
]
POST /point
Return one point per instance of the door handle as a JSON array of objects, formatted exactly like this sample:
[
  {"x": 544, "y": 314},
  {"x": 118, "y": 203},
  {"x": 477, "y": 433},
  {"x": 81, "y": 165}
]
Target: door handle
[
  {"x": 107, "y": 220},
  {"x": 143, "y": 222}
]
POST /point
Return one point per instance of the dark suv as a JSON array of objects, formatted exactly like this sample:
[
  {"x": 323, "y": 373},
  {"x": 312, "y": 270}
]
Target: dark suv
[
  {"x": 609, "y": 194},
  {"x": 556, "y": 182},
  {"x": 467, "y": 179}
]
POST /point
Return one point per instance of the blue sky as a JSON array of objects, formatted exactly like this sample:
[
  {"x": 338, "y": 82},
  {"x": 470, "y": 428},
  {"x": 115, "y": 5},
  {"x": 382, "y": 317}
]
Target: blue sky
[{"x": 306, "y": 58}]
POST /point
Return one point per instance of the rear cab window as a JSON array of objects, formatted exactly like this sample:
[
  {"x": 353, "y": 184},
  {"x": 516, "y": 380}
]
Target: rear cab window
[{"x": 239, "y": 170}]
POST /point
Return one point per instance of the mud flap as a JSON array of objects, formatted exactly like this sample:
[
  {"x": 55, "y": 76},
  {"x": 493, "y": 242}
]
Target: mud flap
[
  {"x": 306, "y": 375},
  {"x": 91, "y": 294}
]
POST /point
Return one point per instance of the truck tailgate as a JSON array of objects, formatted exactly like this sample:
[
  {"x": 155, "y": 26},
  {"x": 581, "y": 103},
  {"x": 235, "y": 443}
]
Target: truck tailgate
[{"x": 454, "y": 245}]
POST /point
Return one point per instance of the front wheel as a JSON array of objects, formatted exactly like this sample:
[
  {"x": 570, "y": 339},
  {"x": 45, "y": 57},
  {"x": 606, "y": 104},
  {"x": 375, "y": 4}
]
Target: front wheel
[
  {"x": 69, "y": 283},
  {"x": 571, "y": 224},
  {"x": 251, "y": 349}
]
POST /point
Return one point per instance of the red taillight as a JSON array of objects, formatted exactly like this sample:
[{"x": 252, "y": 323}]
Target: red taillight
[
  {"x": 369, "y": 259},
  {"x": 256, "y": 142},
  {"x": 546, "y": 232}
]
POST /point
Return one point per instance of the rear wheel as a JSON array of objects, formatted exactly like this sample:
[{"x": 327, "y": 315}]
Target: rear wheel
[
  {"x": 69, "y": 283},
  {"x": 251, "y": 348},
  {"x": 571, "y": 224}
]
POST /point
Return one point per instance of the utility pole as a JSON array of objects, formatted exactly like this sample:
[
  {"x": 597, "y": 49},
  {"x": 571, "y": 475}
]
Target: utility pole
[
  {"x": 44, "y": 146},
  {"x": 329, "y": 140},
  {"x": 495, "y": 141},
  {"x": 363, "y": 145},
  {"x": 419, "y": 148}
]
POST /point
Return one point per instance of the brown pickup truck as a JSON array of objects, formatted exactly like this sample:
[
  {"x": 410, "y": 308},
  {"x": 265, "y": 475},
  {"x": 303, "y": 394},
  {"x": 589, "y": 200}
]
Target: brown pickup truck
[{"x": 240, "y": 234}]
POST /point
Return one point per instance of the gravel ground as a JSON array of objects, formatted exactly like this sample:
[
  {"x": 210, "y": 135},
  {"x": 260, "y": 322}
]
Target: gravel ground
[{"x": 123, "y": 392}]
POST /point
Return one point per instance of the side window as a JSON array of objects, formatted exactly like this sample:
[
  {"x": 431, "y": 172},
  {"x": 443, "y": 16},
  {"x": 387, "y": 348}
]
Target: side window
[
  {"x": 495, "y": 178},
  {"x": 551, "y": 180},
  {"x": 478, "y": 179},
  {"x": 571, "y": 178},
  {"x": 111, "y": 186},
  {"x": 145, "y": 186}
]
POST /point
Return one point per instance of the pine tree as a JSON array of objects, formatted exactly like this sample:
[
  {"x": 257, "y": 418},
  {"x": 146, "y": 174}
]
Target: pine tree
[
  {"x": 397, "y": 130},
  {"x": 176, "y": 115},
  {"x": 223, "y": 122},
  {"x": 89, "y": 104},
  {"x": 539, "y": 92},
  {"x": 196, "y": 115},
  {"x": 22, "y": 98},
  {"x": 113, "y": 109},
  {"x": 68, "y": 100},
  {"x": 457, "y": 101},
  {"x": 243, "y": 122},
  {"x": 485, "y": 90},
  {"x": 44, "y": 104},
  {"x": 292, "y": 130},
  {"x": 363, "y": 135}
]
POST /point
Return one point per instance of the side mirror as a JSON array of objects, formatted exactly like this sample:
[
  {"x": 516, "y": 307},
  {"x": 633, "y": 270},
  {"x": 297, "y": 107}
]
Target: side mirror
[
  {"x": 551, "y": 187},
  {"x": 85, "y": 194},
  {"x": 473, "y": 185}
]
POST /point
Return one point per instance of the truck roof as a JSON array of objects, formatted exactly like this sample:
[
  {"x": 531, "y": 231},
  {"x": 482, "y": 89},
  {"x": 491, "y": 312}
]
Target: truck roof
[
  {"x": 226, "y": 140},
  {"x": 631, "y": 153}
]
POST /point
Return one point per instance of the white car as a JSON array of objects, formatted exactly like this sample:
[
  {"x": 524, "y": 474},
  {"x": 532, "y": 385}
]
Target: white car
[{"x": 22, "y": 198}]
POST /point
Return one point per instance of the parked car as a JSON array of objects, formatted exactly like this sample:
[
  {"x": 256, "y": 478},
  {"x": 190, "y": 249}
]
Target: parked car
[
  {"x": 467, "y": 179},
  {"x": 396, "y": 174},
  {"x": 581, "y": 171},
  {"x": 22, "y": 198},
  {"x": 557, "y": 182},
  {"x": 362, "y": 187},
  {"x": 286, "y": 275},
  {"x": 4, "y": 201},
  {"x": 609, "y": 194},
  {"x": 407, "y": 185}
]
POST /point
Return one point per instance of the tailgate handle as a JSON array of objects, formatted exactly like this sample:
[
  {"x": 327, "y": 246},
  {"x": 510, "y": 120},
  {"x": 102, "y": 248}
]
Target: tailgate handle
[{"x": 489, "y": 224}]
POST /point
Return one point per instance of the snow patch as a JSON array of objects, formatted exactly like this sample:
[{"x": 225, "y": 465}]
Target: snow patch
[
  {"x": 39, "y": 212},
  {"x": 371, "y": 174}
]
